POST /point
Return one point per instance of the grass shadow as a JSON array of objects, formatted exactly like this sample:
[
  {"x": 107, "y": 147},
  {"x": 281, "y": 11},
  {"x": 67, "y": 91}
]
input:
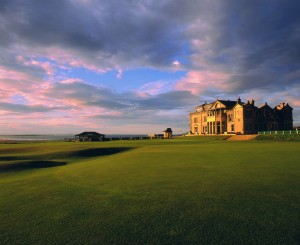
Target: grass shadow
[
  {"x": 30, "y": 165},
  {"x": 50, "y": 160},
  {"x": 12, "y": 158},
  {"x": 97, "y": 152}
]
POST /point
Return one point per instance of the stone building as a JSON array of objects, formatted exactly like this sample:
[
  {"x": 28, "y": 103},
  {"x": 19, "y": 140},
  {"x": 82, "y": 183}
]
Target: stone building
[
  {"x": 168, "y": 133},
  {"x": 237, "y": 117}
]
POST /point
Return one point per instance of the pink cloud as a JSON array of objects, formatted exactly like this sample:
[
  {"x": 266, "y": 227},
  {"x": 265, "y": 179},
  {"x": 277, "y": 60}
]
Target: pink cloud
[
  {"x": 6, "y": 73},
  {"x": 113, "y": 113},
  {"x": 58, "y": 121},
  {"x": 198, "y": 82},
  {"x": 290, "y": 96},
  {"x": 62, "y": 58},
  {"x": 32, "y": 89},
  {"x": 14, "y": 82},
  {"x": 295, "y": 102},
  {"x": 46, "y": 66}
]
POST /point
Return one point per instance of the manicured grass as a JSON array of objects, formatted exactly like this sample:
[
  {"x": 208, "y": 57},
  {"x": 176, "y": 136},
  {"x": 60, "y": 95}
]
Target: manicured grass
[
  {"x": 192, "y": 190},
  {"x": 279, "y": 137}
]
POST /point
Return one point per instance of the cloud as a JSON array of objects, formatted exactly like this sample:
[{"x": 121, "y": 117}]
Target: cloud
[
  {"x": 226, "y": 49},
  {"x": 154, "y": 88},
  {"x": 102, "y": 35},
  {"x": 204, "y": 82},
  {"x": 120, "y": 73},
  {"x": 75, "y": 102},
  {"x": 168, "y": 101},
  {"x": 88, "y": 95},
  {"x": 254, "y": 42},
  {"x": 26, "y": 108},
  {"x": 108, "y": 33}
]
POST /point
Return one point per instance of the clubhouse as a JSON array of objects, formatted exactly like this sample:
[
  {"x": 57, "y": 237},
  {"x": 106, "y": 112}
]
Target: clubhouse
[{"x": 237, "y": 117}]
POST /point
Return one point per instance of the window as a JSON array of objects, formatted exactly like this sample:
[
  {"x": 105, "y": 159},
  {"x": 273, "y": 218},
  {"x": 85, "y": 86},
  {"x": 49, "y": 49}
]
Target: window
[
  {"x": 232, "y": 127},
  {"x": 195, "y": 120},
  {"x": 211, "y": 113}
]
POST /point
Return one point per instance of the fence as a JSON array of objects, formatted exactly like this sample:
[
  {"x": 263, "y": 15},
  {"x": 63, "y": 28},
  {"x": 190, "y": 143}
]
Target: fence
[{"x": 280, "y": 132}]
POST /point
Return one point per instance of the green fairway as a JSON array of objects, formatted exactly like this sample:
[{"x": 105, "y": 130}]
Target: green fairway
[{"x": 190, "y": 190}]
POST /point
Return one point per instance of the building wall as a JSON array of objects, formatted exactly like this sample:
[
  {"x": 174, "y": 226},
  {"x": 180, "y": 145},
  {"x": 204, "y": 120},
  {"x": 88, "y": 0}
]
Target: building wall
[
  {"x": 250, "y": 119},
  {"x": 198, "y": 122},
  {"x": 194, "y": 119},
  {"x": 238, "y": 118}
]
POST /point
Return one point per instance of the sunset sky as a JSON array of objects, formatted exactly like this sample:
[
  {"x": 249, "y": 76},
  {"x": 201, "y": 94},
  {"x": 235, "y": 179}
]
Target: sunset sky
[{"x": 140, "y": 66}]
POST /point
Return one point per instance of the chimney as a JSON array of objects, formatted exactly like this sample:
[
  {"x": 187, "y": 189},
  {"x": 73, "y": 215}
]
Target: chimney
[
  {"x": 252, "y": 102},
  {"x": 282, "y": 104},
  {"x": 238, "y": 100}
]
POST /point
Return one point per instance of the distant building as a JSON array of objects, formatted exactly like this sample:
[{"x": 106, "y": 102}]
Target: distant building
[
  {"x": 90, "y": 136},
  {"x": 168, "y": 133},
  {"x": 237, "y": 117}
]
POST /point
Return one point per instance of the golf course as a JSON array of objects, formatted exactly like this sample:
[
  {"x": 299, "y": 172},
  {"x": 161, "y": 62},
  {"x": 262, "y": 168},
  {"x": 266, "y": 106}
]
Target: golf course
[{"x": 187, "y": 190}]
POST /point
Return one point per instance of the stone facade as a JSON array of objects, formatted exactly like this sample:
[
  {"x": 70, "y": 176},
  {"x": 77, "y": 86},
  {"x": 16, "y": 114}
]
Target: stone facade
[
  {"x": 237, "y": 117},
  {"x": 168, "y": 133}
]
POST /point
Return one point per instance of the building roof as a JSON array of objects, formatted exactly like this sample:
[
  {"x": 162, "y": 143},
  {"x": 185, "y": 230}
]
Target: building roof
[
  {"x": 265, "y": 106},
  {"x": 228, "y": 103},
  {"x": 203, "y": 107},
  {"x": 94, "y": 134},
  {"x": 288, "y": 106},
  {"x": 168, "y": 130},
  {"x": 282, "y": 106}
]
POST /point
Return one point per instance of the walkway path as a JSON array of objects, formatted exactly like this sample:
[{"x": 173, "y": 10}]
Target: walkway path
[{"x": 242, "y": 137}]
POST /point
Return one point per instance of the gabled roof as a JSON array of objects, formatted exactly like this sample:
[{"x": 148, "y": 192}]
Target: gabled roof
[
  {"x": 265, "y": 106},
  {"x": 287, "y": 106},
  {"x": 203, "y": 107},
  {"x": 248, "y": 104},
  {"x": 94, "y": 134},
  {"x": 228, "y": 103},
  {"x": 207, "y": 106}
]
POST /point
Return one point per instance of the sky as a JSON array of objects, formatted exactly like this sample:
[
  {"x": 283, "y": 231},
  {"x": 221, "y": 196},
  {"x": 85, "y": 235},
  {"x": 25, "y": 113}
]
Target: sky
[{"x": 140, "y": 66}]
